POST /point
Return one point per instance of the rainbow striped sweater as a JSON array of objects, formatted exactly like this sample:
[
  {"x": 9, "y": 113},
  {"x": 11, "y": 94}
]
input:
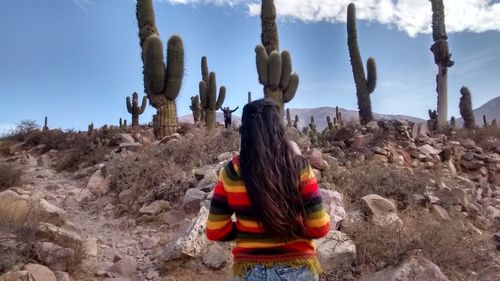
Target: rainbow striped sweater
[{"x": 253, "y": 246}]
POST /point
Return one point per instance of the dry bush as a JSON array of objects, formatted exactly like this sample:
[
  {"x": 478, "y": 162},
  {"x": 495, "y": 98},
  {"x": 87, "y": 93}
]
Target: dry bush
[
  {"x": 455, "y": 246},
  {"x": 5, "y": 146},
  {"x": 481, "y": 136},
  {"x": 22, "y": 130},
  {"x": 372, "y": 177},
  {"x": 161, "y": 172},
  {"x": 9, "y": 176}
]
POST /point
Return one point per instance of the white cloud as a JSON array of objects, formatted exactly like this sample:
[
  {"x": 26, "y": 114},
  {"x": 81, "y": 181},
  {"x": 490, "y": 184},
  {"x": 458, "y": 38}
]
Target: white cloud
[
  {"x": 411, "y": 16},
  {"x": 83, "y": 4}
]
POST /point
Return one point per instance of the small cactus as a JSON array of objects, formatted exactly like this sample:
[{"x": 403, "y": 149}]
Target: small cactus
[
  {"x": 312, "y": 124},
  {"x": 208, "y": 94},
  {"x": 45, "y": 127},
  {"x": 485, "y": 122},
  {"x": 338, "y": 117},
  {"x": 125, "y": 125},
  {"x": 90, "y": 129},
  {"x": 432, "y": 122},
  {"x": 296, "y": 122},
  {"x": 453, "y": 122},
  {"x": 288, "y": 118},
  {"x": 120, "y": 123},
  {"x": 331, "y": 125},
  {"x": 134, "y": 109},
  {"x": 494, "y": 123},
  {"x": 249, "y": 97},
  {"x": 466, "y": 109},
  {"x": 196, "y": 108},
  {"x": 365, "y": 85}
]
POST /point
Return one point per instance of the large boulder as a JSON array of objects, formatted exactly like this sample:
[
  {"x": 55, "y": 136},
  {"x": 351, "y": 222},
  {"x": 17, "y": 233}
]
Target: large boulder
[
  {"x": 383, "y": 212},
  {"x": 216, "y": 256},
  {"x": 98, "y": 184},
  {"x": 315, "y": 159},
  {"x": 58, "y": 235},
  {"x": 40, "y": 272},
  {"x": 409, "y": 269},
  {"x": 50, "y": 213},
  {"x": 335, "y": 249},
  {"x": 192, "y": 199},
  {"x": 334, "y": 206},
  {"x": 58, "y": 258}
]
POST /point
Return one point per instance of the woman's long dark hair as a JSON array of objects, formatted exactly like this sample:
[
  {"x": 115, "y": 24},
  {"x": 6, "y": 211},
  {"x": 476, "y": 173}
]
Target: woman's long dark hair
[{"x": 271, "y": 170}]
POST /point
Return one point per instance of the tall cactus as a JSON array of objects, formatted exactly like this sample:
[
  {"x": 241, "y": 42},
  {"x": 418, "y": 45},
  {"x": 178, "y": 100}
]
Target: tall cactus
[
  {"x": 162, "y": 81},
  {"x": 274, "y": 68},
  {"x": 288, "y": 118},
  {"x": 196, "y": 108},
  {"x": 364, "y": 85},
  {"x": 466, "y": 109},
  {"x": 208, "y": 94},
  {"x": 296, "y": 122},
  {"x": 90, "y": 129},
  {"x": 120, "y": 123},
  {"x": 330, "y": 123},
  {"x": 485, "y": 122},
  {"x": 339, "y": 120},
  {"x": 249, "y": 97},
  {"x": 134, "y": 109},
  {"x": 453, "y": 122},
  {"x": 442, "y": 58},
  {"x": 45, "y": 126}
]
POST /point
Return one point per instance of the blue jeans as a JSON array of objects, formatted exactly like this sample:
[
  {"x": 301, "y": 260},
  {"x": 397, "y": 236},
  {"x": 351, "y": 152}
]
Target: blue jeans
[{"x": 278, "y": 273}]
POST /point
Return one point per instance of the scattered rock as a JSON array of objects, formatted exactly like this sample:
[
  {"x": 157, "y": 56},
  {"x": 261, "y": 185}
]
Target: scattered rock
[
  {"x": 90, "y": 247},
  {"x": 441, "y": 213},
  {"x": 58, "y": 258},
  {"x": 60, "y": 236},
  {"x": 333, "y": 204},
  {"x": 17, "y": 276},
  {"x": 125, "y": 266},
  {"x": 50, "y": 213},
  {"x": 409, "y": 269},
  {"x": 335, "y": 249},
  {"x": 192, "y": 199},
  {"x": 154, "y": 208},
  {"x": 173, "y": 218},
  {"x": 216, "y": 256},
  {"x": 383, "y": 212},
  {"x": 295, "y": 148},
  {"x": 125, "y": 138},
  {"x": 97, "y": 184},
  {"x": 315, "y": 159}
]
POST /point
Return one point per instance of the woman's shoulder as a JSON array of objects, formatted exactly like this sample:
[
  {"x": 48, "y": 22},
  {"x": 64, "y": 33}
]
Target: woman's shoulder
[{"x": 232, "y": 168}]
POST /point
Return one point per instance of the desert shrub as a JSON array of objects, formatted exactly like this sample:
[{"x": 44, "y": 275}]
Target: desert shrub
[
  {"x": 161, "y": 172},
  {"x": 9, "y": 176},
  {"x": 455, "y": 246},
  {"x": 481, "y": 136},
  {"x": 22, "y": 130},
  {"x": 373, "y": 177}
]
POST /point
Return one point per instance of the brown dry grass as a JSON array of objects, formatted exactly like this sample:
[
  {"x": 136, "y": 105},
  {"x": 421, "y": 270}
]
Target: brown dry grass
[{"x": 9, "y": 176}]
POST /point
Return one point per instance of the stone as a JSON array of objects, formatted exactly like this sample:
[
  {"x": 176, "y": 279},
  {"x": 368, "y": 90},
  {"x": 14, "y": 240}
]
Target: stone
[
  {"x": 334, "y": 249},
  {"x": 17, "y": 276},
  {"x": 62, "y": 276},
  {"x": 409, "y": 269},
  {"x": 133, "y": 147},
  {"x": 202, "y": 173},
  {"x": 192, "y": 199},
  {"x": 154, "y": 208},
  {"x": 428, "y": 150},
  {"x": 125, "y": 266},
  {"x": 16, "y": 148},
  {"x": 97, "y": 184},
  {"x": 126, "y": 196},
  {"x": 381, "y": 158},
  {"x": 125, "y": 138},
  {"x": 295, "y": 148},
  {"x": 492, "y": 213},
  {"x": 372, "y": 126},
  {"x": 379, "y": 150},
  {"x": 60, "y": 236},
  {"x": 383, "y": 212},
  {"x": 40, "y": 272},
  {"x": 50, "y": 213},
  {"x": 334, "y": 206},
  {"x": 58, "y": 258},
  {"x": 149, "y": 242},
  {"x": 8, "y": 194},
  {"x": 472, "y": 165},
  {"x": 216, "y": 256},
  {"x": 174, "y": 136},
  {"x": 44, "y": 161},
  {"x": 173, "y": 218},
  {"x": 208, "y": 182},
  {"x": 90, "y": 247},
  {"x": 440, "y": 213},
  {"x": 420, "y": 130},
  {"x": 315, "y": 159}
]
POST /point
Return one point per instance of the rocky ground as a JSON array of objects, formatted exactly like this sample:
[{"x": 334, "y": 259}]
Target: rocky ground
[{"x": 80, "y": 217}]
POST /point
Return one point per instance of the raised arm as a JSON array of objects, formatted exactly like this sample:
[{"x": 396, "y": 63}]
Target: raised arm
[
  {"x": 317, "y": 221},
  {"x": 220, "y": 227},
  {"x": 235, "y": 109}
]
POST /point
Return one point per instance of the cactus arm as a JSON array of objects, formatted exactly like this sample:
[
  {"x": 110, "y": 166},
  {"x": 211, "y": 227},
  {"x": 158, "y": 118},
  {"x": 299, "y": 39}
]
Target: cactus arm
[
  {"x": 371, "y": 81},
  {"x": 286, "y": 69},
  {"x": 262, "y": 62},
  {"x": 204, "y": 69},
  {"x": 289, "y": 94},
  {"x": 220, "y": 99},
  {"x": 143, "y": 105},
  {"x": 154, "y": 65},
  {"x": 212, "y": 90},
  {"x": 129, "y": 105},
  {"x": 175, "y": 67},
  {"x": 203, "y": 94},
  {"x": 275, "y": 67}
]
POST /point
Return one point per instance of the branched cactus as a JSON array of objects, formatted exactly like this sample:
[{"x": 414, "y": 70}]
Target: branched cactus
[
  {"x": 288, "y": 118},
  {"x": 296, "y": 122},
  {"x": 274, "y": 68},
  {"x": 313, "y": 133},
  {"x": 331, "y": 126},
  {"x": 432, "y": 122},
  {"x": 196, "y": 109},
  {"x": 312, "y": 124},
  {"x": 364, "y": 85},
  {"x": 249, "y": 97},
  {"x": 45, "y": 126},
  {"x": 339, "y": 120},
  {"x": 134, "y": 109},
  {"x": 466, "y": 109},
  {"x": 442, "y": 58},
  {"x": 162, "y": 80},
  {"x": 210, "y": 102}
]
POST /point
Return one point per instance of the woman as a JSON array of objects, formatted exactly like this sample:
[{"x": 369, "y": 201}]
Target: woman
[{"x": 276, "y": 199}]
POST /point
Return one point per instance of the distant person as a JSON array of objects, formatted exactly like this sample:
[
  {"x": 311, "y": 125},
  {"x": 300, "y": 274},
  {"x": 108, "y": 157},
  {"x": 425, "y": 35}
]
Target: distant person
[
  {"x": 227, "y": 115},
  {"x": 276, "y": 199}
]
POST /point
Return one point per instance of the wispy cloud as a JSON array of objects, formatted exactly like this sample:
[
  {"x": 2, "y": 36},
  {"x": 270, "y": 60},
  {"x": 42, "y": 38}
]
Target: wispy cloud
[
  {"x": 84, "y": 4},
  {"x": 412, "y": 16}
]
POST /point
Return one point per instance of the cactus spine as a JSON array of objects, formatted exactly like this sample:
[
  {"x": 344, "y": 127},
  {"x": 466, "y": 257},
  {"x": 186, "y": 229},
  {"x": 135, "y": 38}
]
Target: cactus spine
[
  {"x": 296, "y": 122},
  {"x": 45, "y": 127},
  {"x": 364, "y": 85},
  {"x": 196, "y": 108},
  {"x": 288, "y": 118},
  {"x": 274, "y": 68},
  {"x": 162, "y": 80},
  {"x": 466, "y": 109},
  {"x": 442, "y": 58},
  {"x": 134, "y": 109},
  {"x": 210, "y": 102}
]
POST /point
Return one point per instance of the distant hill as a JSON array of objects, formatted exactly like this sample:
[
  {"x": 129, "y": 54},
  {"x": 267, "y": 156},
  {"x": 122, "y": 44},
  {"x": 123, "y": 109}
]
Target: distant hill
[
  {"x": 319, "y": 113},
  {"x": 491, "y": 109}
]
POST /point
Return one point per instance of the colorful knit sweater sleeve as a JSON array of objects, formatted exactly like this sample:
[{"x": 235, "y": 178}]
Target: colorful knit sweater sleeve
[
  {"x": 220, "y": 226},
  {"x": 317, "y": 221}
]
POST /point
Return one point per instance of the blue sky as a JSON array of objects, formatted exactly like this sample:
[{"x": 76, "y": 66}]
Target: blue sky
[{"x": 76, "y": 60}]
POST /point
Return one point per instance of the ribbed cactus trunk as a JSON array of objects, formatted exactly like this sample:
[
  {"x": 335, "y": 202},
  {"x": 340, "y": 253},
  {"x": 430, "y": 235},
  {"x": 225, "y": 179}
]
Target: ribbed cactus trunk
[
  {"x": 442, "y": 58},
  {"x": 288, "y": 118},
  {"x": 167, "y": 118},
  {"x": 45, "y": 126},
  {"x": 274, "y": 68},
  {"x": 364, "y": 85}
]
